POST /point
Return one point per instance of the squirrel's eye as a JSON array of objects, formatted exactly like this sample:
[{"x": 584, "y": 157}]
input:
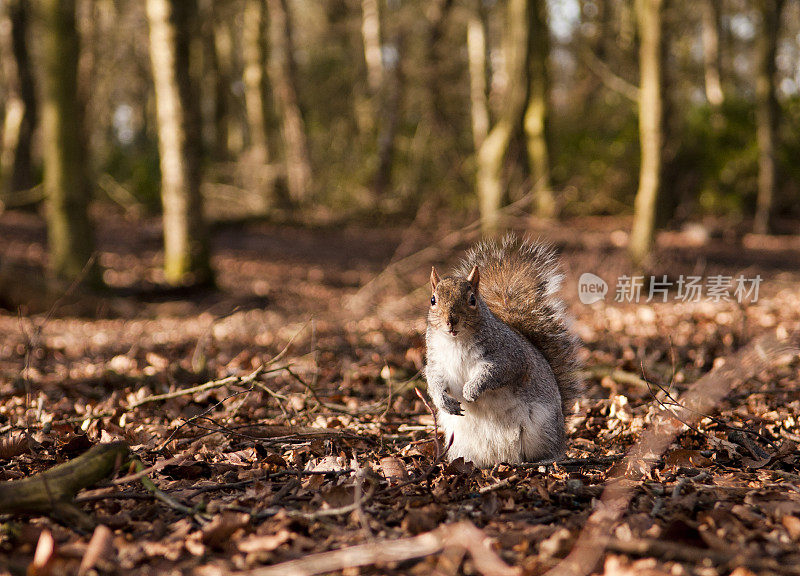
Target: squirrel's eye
[
  {"x": 472, "y": 300},
  {"x": 433, "y": 300}
]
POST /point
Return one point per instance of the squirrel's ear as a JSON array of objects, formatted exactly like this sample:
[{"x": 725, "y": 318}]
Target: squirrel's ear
[
  {"x": 474, "y": 277},
  {"x": 434, "y": 278}
]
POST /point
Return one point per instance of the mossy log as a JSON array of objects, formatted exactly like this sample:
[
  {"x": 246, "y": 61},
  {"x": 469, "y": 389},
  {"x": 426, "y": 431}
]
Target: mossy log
[{"x": 52, "y": 492}]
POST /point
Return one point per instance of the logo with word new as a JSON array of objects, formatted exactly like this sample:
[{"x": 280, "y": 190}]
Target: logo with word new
[{"x": 591, "y": 288}]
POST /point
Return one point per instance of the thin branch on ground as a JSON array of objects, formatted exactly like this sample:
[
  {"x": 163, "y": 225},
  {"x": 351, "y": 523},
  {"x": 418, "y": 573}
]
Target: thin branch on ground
[
  {"x": 229, "y": 381},
  {"x": 203, "y": 414},
  {"x": 463, "y": 535},
  {"x": 154, "y": 468},
  {"x": 162, "y": 496}
]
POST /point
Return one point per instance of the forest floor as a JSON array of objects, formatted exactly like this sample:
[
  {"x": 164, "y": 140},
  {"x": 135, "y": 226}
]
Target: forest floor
[{"x": 312, "y": 438}]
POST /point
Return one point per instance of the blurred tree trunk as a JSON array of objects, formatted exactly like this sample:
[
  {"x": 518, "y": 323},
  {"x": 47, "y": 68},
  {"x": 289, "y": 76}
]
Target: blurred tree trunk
[
  {"x": 495, "y": 147},
  {"x": 186, "y": 252},
  {"x": 220, "y": 54},
  {"x": 492, "y": 153},
  {"x": 767, "y": 112},
  {"x": 536, "y": 113},
  {"x": 651, "y": 126},
  {"x": 21, "y": 112},
  {"x": 371, "y": 34},
  {"x": 477, "y": 53},
  {"x": 597, "y": 37},
  {"x": 229, "y": 130},
  {"x": 207, "y": 82},
  {"x": 391, "y": 92},
  {"x": 254, "y": 49},
  {"x": 436, "y": 98},
  {"x": 283, "y": 78},
  {"x": 66, "y": 185},
  {"x": 711, "y": 54}
]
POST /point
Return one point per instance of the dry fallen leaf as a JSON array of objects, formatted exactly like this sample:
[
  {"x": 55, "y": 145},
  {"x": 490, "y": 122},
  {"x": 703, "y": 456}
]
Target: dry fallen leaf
[
  {"x": 217, "y": 533},
  {"x": 394, "y": 470},
  {"x": 13, "y": 445},
  {"x": 44, "y": 555},
  {"x": 792, "y": 525},
  {"x": 682, "y": 457},
  {"x": 266, "y": 543},
  {"x": 100, "y": 550}
]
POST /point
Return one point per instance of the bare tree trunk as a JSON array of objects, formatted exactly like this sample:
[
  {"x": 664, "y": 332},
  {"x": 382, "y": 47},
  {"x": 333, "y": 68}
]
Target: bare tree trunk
[
  {"x": 491, "y": 189},
  {"x": 391, "y": 93},
  {"x": 651, "y": 120},
  {"x": 222, "y": 82},
  {"x": 21, "y": 112},
  {"x": 476, "y": 50},
  {"x": 371, "y": 34},
  {"x": 535, "y": 120},
  {"x": 490, "y": 167},
  {"x": 767, "y": 111},
  {"x": 711, "y": 57},
  {"x": 207, "y": 81},
  {"x": 70, "y": 233},
  {"x": 436, "y": 98},
  {"x": 284, "y": 84},
  {"x": 229, "y": 138},
  {"x": 254, "y": 65},
  {"x": 186, "y": 252}
]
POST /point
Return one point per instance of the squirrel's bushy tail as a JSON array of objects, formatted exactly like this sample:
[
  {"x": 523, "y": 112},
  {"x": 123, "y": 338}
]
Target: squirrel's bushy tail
[{"x": 519, "y": 281}]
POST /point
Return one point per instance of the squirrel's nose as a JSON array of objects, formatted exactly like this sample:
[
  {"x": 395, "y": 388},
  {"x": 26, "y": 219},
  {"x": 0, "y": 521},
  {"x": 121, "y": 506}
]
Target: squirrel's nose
[{"x": 452, "y": 321}]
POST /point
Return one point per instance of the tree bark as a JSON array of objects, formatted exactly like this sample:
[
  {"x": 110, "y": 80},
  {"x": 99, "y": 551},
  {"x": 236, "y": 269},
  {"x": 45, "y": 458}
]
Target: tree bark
[
  {"x": 229, "y": 139},
  {"x": 391, "y": 94},
  {"x": 436, "y": 98},
  {"x": 491, "y": 189},
  {"x": 16, "y": 164},
  {"x": 254, "y": 64},
  {"x": 284, "y": 83},
  {"x": 186, "y": 252},
  {"x": 221, "y": 87},
  {"x": 53, "y": 491},
  {"x": 767, "y": 111},
  {"x": 711, "y": 57},
  {"x": 476, "y": 51},
  {"x": 371, "y": 34},
  {"x": 536, "y": 113},
  {"x": 66, "y": 184},
  {"x": 649, "y": 18},
  {"x": 207, "y": 80}
]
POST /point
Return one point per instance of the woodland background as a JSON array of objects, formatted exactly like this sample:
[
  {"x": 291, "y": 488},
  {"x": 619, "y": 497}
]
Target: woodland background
[{"x": 217, "y": 220}]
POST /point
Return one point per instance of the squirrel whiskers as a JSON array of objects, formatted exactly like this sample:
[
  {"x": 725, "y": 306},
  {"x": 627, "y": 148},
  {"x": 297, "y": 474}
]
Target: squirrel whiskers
[{"x": 502, "y": 364}]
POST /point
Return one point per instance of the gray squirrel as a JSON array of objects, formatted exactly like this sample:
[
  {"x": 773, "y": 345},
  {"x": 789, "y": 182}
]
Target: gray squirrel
[{"x": 502, "y": 364}]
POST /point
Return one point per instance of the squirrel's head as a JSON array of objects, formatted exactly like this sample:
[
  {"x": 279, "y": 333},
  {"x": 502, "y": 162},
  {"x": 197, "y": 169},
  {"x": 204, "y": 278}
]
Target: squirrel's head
[{"x": 454, "y": 303}]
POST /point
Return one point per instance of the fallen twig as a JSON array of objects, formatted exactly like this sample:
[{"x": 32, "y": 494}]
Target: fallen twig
[
  {"x": 203, "y": 414},
  {"x": 499, "y": 484},
  {"x": 154, "y": 468},
  {"x": 230, "y": 380},
  {"x": 347, "y": 509},
  {"x": 463, "y": 535},
  {"x": 159, "y": 494}
]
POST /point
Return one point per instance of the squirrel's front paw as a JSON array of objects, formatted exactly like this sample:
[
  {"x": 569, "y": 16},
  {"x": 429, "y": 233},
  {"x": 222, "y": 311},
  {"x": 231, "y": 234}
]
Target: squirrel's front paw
[
  {"x": 470, "y": 393},
  {"x": 451, "y": 405}
]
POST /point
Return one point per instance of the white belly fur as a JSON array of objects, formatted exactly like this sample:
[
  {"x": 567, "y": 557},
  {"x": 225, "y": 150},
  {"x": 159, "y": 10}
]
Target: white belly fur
[{"x": 499, "y": 428}]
